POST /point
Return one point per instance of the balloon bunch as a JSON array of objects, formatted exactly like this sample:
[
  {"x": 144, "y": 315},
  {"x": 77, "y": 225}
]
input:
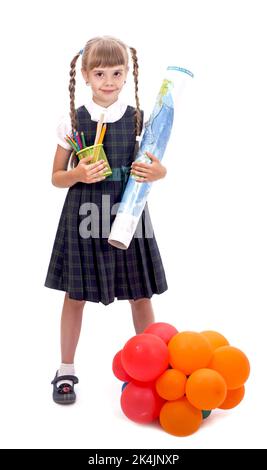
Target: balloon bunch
[{"x": 179, "y": 377}]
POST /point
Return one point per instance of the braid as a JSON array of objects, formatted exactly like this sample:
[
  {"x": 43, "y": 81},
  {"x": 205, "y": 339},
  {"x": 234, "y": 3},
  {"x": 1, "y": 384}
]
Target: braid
[
  {"x": 138, "y": 117},
  {"x": 72, "y": 91}
]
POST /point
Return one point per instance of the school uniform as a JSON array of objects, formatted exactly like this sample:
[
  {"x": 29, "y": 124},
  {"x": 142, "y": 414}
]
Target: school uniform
[{"x": 88, "y": 267}]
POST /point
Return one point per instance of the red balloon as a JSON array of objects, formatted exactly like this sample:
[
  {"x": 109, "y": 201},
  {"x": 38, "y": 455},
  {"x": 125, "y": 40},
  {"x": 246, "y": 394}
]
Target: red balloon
[
  {"x": 118, "y": 369},
  {"x": 145, "y": 357},
  {"x": 164, "y": 330},
  {"x": 141, "y": 403}
]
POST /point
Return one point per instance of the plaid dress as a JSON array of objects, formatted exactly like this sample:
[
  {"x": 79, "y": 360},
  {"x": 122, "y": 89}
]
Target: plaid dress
[{"x": 89, "y": 268}]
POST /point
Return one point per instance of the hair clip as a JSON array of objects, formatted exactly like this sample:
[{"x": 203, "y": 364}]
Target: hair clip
[{"x": 81, "y": 52}]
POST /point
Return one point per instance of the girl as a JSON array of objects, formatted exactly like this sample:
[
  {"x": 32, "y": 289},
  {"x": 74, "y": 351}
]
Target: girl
[{"x": 89, "y": 268}]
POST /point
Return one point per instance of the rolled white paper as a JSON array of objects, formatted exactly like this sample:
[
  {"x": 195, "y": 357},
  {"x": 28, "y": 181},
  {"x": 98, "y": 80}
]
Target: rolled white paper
[{"x": 154, "y": 140}]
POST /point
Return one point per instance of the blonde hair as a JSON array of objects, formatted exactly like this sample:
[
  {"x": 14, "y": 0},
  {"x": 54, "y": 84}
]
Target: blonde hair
[{"x": 105, "y": 51}]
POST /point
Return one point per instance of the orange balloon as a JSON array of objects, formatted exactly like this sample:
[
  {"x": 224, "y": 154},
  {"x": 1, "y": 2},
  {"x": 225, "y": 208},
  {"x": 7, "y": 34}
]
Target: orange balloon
[
  {"x": 180, "y": 418},
  {"x": 206, "y": 389},
  {"x": 233, "y": 398},
  {"x": 171, "y": 384},
  {"x": 189, "y": 351},
  {"x": 215, "y": 339},
  {"x": 232, "y": 364}
]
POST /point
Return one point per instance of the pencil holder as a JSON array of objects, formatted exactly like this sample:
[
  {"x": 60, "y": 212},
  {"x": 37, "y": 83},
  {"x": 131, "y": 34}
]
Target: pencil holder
[{"x": 98, "y": 153}]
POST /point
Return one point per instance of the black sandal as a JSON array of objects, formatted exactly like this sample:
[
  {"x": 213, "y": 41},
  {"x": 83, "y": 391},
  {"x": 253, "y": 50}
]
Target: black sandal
[{"x": 64, "y": 394}]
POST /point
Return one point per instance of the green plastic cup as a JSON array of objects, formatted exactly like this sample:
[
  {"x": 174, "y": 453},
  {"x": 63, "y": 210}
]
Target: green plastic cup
[{"x": 98, "y": 153}]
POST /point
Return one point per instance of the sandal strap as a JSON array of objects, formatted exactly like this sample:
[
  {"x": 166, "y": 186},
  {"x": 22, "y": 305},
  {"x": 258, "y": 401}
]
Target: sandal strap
[{"x": 74, "y": 379}]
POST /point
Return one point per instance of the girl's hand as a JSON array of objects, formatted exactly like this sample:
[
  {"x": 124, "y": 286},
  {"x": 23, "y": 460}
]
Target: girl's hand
[
  {"x": 90, "y": 172},
  {"x": 148, "y": 172}
]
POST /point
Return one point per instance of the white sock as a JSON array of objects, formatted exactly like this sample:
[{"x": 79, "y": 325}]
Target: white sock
[{"x": 65, "y": 369}]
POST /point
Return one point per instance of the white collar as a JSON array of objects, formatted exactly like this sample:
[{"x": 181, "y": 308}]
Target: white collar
[{"x": 112, "y": 113}]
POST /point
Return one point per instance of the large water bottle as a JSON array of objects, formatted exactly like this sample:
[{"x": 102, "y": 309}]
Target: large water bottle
[{"x": 154, "y": 140}]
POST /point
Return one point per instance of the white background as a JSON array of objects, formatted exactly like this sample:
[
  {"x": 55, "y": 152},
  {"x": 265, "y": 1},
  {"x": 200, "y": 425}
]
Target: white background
[{"x": 209, "y": 214}]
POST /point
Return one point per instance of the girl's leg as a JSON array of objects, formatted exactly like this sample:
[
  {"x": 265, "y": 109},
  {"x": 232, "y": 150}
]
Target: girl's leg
[
  {"x": 71, "y": 322},
  {"x": 142, "y": 313}
]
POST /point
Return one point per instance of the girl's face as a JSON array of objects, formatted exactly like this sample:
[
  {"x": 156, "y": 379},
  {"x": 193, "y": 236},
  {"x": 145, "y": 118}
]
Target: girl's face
[{"x": 106, "y": 83}]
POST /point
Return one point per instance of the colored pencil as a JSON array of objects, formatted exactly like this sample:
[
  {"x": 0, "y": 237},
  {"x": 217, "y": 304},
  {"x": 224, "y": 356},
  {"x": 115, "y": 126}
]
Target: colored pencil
[
  {"x": 73, "y": 141},
  {"x": 79, "y": 140},
  {"x": 71, "y": 144},
  {"x": 83, "y": 139},
  {"x": 76, "y": 140},
  {"x": 103, "y": 131}
]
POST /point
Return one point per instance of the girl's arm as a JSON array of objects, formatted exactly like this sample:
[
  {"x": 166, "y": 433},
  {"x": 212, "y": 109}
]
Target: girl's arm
[
  {"x": 60, "y": 176},
  {"x": 149, "y": 172}
]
